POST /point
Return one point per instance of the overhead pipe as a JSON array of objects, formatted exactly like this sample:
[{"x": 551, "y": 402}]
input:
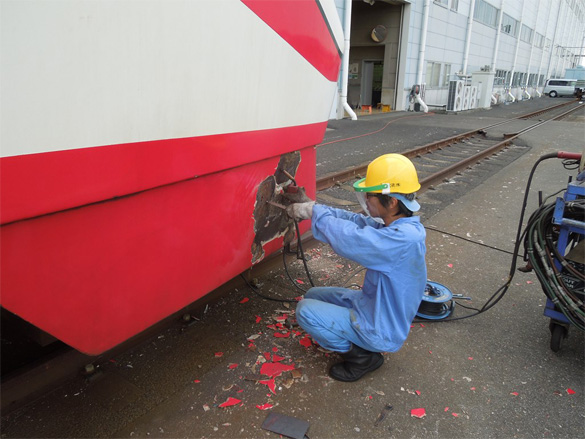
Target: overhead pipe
[
  {"x": 532, "y": 47},
  {"x": 545, "y": 36},
  {"x": 568, "y": 36},
  {"x": 468, "y": 36},
  {"x": 423, "y": 41},
  {"x": 554, "y": 40},
  {"x": 572, "y": 42},
  {"x": 345, "y": 60},
  {"x": 421, "y": 53},
  {"x": 513, "y": 71},
  {"x": 498, "y": 32},
  {"x": 558, "y": 72}
]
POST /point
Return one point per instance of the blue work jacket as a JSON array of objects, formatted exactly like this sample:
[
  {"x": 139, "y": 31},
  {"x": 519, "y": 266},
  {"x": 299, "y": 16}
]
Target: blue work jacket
[{"x": 396, "y": 270}]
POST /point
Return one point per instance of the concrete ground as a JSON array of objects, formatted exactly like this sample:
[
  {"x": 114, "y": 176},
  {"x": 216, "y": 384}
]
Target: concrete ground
[{"x": 493, "y": 375}]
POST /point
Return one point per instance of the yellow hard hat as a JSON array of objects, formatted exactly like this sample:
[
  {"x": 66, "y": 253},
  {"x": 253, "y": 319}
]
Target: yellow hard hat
[{"x": 389, "y": 173}]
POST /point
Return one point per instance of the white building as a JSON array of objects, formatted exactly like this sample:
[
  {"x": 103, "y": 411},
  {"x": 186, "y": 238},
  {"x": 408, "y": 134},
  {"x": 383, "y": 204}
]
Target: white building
[{"x": 506, "y": 49}]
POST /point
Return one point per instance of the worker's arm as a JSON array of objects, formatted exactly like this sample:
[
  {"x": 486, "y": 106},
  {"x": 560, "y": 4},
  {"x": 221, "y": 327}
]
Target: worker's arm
[{"x": 375, "y": 247}]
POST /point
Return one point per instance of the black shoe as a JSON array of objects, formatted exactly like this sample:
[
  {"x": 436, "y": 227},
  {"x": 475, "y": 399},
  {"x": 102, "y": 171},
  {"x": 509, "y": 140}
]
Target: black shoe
[{"x": 357, "y": 362}]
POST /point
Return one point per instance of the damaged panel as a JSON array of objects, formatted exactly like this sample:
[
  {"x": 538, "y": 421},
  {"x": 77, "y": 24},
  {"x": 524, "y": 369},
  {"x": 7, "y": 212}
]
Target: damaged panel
[{"x": 270, "y": 221}]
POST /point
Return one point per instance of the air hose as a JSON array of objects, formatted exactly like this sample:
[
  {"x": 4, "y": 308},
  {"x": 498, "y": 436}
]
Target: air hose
[
  {"x": 541, "y": 248},
  {"x": 300, "y": 255},
  {"x": 500, "y": 292}
]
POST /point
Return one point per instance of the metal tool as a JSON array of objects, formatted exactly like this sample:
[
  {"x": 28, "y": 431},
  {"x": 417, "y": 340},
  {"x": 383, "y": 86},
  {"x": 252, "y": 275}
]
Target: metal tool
[{"x": 280, "y": 206}]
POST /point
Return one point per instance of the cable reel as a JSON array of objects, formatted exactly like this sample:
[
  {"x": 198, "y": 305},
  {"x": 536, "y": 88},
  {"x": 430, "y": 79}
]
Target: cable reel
[{"x": 437, "y": 302}]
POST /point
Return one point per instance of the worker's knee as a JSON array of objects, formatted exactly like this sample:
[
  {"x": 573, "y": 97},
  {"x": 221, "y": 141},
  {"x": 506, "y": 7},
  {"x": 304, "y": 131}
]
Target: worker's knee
[
  {"x": 305, "y": 312},
  {"x": 302, "y": 311}
]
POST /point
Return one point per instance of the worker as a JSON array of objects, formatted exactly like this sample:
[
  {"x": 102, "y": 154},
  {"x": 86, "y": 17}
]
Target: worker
[{"x": 390, "y": 242}]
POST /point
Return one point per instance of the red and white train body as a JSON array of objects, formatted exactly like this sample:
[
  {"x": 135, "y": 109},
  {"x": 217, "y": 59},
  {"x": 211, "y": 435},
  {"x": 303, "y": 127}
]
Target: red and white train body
[{"x": 134, "y": 136}]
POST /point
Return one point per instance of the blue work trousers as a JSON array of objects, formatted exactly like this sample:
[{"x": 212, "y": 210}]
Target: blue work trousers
[{"x": 325, "y": 314}]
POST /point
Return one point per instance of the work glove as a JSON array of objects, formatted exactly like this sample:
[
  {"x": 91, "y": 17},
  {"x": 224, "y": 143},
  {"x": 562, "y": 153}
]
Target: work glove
[{"x": 300, "y": 211}]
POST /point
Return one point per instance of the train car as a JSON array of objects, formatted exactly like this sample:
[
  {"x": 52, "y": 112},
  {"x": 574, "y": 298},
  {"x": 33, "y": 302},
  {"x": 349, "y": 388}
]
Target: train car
[{"x": 139, "y": 143}]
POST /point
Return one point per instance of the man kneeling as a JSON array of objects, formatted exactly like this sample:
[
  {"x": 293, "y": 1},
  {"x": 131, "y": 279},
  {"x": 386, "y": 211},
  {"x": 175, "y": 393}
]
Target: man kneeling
[{"x": 390, "y": 242}]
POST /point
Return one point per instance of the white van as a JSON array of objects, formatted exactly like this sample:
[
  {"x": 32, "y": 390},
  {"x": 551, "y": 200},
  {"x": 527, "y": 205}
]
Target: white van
[{"x": 559, "y": 87}]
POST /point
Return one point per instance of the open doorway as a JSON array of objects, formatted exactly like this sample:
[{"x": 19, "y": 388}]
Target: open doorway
[{"x": 371, "y": 85}]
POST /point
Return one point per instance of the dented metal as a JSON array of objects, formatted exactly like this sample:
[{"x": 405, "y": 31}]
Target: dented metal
[{"x": 270, "y": 219}]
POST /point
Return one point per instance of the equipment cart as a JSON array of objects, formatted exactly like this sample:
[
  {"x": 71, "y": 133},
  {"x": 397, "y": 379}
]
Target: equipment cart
[
  {"x": 555, "y": 246},
  {"x": 564, "y": 218}
]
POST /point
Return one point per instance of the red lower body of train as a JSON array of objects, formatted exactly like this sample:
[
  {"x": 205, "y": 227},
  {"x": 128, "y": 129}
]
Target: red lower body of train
[{"x": 108, "y": 230}]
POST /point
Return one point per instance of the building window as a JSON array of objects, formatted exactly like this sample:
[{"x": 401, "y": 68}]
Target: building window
[
  {"x": 446, "y": 74},
  {"x": 547, "y": 44},
  {"x": 526, "y": 34},
  {"x": 451, "y": 4},
  {"x": 509, "y": 25},
  {"x": 538, "y": 40},
  {"x": 486, "y": 13},
  {"x": 433, "y": 73},
  {"x": 519, "y": 79},
  {"x": 500, "y": 78}
]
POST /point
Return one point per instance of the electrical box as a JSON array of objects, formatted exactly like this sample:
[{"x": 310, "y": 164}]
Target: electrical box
[{"x": 484, "y": 81}]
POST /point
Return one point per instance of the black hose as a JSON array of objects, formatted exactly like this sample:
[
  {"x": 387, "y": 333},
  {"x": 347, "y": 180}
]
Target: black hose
[{"x": 500, "y": 292}]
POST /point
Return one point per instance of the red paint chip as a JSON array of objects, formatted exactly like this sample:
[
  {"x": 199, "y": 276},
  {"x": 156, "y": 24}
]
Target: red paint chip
[
  {"x": 275, "y": 369},
  {"x": 571, "y": 391},
  {"x": 305, "y": 341},
  {"x": 244, "y": 300},
  {"x": 230, "y": 401},
  {"x": 264, "y": 406},
  {"x": 418, "y": 413},
  {"x": 270, "y": 383}
]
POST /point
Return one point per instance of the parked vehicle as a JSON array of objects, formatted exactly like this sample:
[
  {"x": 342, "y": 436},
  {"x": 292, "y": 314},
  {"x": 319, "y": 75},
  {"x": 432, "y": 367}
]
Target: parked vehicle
[{"x": 559, "y": 87}]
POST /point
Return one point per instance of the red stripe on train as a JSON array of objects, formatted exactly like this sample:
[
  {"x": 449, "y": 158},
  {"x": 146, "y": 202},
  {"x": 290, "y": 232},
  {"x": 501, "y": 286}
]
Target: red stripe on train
[
  {"x": 303, "y": 26},
  {"x": 37, "y": 184}
]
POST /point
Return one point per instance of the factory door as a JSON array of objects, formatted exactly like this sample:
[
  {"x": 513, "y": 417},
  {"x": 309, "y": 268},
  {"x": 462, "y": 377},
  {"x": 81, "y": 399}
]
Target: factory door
[{"x": 371, "y": 86}]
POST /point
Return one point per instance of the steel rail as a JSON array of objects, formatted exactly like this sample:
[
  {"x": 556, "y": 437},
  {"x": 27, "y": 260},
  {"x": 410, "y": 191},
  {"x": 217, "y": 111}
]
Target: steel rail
[{"x": 333, "y": 178}]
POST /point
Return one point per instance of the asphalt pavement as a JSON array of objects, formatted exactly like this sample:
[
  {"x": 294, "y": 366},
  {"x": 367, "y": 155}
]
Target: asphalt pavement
[{"x": 490, "y": 376}]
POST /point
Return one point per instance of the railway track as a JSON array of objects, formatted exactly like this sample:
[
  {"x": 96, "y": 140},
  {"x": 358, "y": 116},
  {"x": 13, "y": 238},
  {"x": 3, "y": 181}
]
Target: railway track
[
  {"x": 436, "y": 162},
  {"x": 439, "y": 160}
]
